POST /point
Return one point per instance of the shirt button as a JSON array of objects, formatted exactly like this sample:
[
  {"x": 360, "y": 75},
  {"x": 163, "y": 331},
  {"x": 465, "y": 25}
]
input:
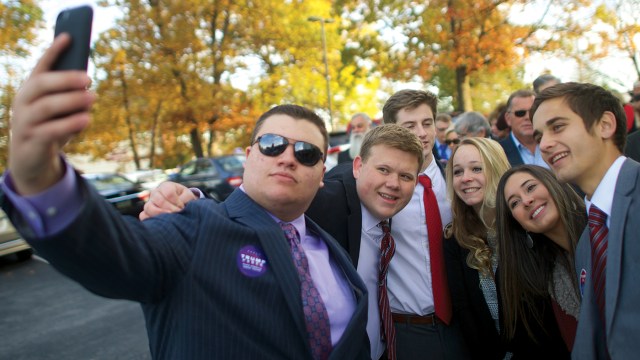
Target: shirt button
[{"x": 52, "y": 211}]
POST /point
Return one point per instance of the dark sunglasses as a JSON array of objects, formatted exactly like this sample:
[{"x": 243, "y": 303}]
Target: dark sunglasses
[
  {"x": 454, "y": 141},
  {"x": 520, "y": 113},
  {"x": 274, "y": 145}
]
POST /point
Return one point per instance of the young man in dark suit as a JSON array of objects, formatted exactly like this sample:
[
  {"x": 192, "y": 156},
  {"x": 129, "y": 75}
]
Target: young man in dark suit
[
  {"x": 581, "y": 131},
  {"x": 228, "y": 280},
  {"x": 355, "y": 199}
]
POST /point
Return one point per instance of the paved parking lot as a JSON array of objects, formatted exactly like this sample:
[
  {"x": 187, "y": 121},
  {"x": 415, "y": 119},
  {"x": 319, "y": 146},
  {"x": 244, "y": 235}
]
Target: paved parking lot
[{"x": 44, "y": 315}]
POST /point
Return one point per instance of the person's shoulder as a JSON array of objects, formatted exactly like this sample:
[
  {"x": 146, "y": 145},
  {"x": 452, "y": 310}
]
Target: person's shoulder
[
  {"x": 340, "y": 171},
  {"x": 506, "y": 142},
  {"x": 634, "y": 138},
  {"x": 344, "y": 157}
]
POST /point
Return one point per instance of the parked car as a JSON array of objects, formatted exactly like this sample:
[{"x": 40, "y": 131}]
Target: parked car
[
  {"x": 127, "y": 196},
  {"x": 10, "y": 240},
  {"x": 338, "y": 141},
  {"x": 215, "y": 176},
  {"x": 148, "y": 179}
]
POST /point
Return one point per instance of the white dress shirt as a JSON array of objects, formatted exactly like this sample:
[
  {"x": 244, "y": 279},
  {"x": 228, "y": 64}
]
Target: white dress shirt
[
  {"x": 527, "y": 156},
  {"x": 368, "y": 269},
  {"x": 409, "y": 277},
  {"x": 603, "y": 196}
]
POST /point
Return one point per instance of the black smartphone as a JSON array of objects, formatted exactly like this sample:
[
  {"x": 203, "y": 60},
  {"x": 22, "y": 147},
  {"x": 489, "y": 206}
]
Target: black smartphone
[{"x": 77, "y": 22}]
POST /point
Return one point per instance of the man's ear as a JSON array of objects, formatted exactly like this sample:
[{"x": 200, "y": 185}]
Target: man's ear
[
  {"x": 324, "y": 171},
  {"x": 357, "y": 166},
  {"x": 607, "y": 125}
]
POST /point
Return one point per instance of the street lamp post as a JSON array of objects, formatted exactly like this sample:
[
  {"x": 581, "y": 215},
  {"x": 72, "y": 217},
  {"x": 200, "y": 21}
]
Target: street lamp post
[{"x": 326, "y": 65}]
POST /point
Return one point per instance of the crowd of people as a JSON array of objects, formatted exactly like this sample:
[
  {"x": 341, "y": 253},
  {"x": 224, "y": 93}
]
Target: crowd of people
[{"x": 438, "y": 238}]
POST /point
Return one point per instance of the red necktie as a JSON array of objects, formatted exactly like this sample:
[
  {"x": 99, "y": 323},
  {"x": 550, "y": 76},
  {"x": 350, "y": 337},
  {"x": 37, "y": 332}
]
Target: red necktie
[
  {"x": 387, "y": 249},
  {"x": 598, "y": 234},
  {"x": 315, "y": 313},
  {"x": 441, "y": 297}
]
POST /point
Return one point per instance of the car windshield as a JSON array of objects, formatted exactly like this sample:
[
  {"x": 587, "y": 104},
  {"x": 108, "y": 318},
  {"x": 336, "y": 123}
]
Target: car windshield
[
  {"x": 232, "y": 163},
  {"x": 108, "y": 182}
]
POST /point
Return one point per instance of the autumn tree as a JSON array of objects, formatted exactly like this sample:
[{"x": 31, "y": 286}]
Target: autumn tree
[
  {"x": 164, "y": 74},
  {"x": 458, "y": 38},
  {"x": 168, "y": 70},
  {"x": 621, "y": 31},
  {"x": 20, "y": 22}
]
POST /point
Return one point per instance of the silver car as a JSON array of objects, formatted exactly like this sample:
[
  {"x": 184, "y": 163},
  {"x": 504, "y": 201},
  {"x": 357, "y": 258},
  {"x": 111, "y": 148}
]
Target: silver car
[{"x": 10, "y": 240}]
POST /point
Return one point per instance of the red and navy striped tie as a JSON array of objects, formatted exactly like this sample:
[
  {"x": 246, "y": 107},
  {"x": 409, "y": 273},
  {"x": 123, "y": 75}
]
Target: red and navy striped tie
[
  {"x": 598, "y": 233},
  {"x": 387, "y": 249}
]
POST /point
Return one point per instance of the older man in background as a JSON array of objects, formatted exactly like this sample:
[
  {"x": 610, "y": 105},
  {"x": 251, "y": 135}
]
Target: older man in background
[
  {"x": 520, "y": 146},
  {"x": 358, "y": 126}
]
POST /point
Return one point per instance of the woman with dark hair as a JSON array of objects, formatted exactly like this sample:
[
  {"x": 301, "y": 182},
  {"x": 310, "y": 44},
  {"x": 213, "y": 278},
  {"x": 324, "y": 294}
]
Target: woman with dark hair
[{"x": 539, "y": 221}]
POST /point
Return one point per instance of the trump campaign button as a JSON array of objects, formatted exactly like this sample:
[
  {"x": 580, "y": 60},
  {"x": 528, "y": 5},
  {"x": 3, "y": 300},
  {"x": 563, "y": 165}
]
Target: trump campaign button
[
  {"x": 251, "y": 261},
  {"x": 583, "y": 280}
]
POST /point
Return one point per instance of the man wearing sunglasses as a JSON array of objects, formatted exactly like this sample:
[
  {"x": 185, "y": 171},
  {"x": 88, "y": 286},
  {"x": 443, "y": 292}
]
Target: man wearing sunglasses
[
  {"x": 350, "y": 206},
  {"x": 248, "y": 278},
  {"x": 520, "y": 146}
]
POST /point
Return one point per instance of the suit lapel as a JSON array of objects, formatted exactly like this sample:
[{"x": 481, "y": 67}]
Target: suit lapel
[
  {"x": 625, "y": 185},
  {"x": 245, "y": 211},
  {"x": 355, "y": 217},
  {"x": 512, "y": 152}
]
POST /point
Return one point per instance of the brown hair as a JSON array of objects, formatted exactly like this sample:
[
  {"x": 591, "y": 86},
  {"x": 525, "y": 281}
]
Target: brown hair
[
  {"x": 297, "y": 112},
  {"x": 394, "y": 136},
  {"x": 407, "y": 99},
  {"x": 589, "y": 102}
]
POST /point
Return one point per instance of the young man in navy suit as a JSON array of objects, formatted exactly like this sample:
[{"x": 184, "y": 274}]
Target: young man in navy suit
[
  {"x": 581, "y": 131},
  {"x": 229, "y": 280}
]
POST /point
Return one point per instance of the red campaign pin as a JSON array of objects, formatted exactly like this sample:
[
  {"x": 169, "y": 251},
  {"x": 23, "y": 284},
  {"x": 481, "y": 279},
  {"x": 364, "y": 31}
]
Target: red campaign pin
[{"x": 583, "y": 280}]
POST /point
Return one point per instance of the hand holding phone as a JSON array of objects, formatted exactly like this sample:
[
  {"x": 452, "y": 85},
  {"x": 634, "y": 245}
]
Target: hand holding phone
[{"x": 77, "y": 23}]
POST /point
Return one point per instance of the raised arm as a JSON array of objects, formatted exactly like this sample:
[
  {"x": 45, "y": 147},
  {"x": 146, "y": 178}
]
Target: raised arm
[{"x": 49, "y": 108}]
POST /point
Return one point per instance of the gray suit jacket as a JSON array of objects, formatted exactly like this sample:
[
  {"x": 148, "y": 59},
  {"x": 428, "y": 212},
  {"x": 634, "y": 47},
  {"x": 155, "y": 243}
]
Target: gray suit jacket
[
  {"x": 199, "y": 299},
  {"x": 632, "y": 149},
  {"x": 622, "y": 289}
]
